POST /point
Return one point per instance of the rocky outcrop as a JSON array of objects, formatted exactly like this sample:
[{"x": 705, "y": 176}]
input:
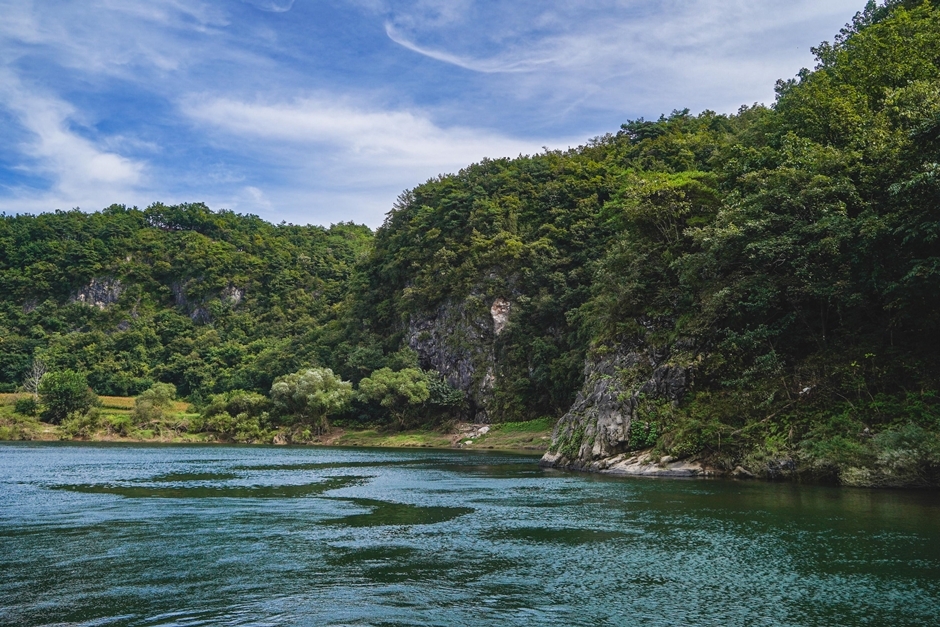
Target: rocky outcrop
[
  {"x": 638, "y": 464},
  {"x": 457, "y": 341},
  {"x": 232, "y": 295},
  {"x": 609, "y": 417},
  {"x": 197, "y": 309},
  {"x": 100, "y": 292}
]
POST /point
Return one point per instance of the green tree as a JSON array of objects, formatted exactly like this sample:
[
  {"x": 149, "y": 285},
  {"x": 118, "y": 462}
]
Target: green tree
[
  {"x": 400, "y": 392},
  {"x": 152, "y": 404},
  {"x": 63, "y": 393},
  {"x": 310, "y": 396},
  {"x": 238, "y": 414}
]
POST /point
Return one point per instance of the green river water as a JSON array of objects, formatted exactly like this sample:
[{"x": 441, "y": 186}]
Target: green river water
[{"x": 224, "y": 535}]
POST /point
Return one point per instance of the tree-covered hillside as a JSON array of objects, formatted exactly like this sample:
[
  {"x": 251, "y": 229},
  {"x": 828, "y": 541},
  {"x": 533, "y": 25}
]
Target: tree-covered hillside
[
  {"x": 785, "y": 257},
  {"x": 207, "y": 301}
]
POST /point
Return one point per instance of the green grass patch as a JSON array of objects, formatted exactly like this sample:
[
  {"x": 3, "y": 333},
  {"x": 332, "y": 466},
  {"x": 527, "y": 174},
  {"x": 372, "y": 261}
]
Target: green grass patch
[
  {"x": 538, "y": 425},
  {"x": 404, "y": 439}
]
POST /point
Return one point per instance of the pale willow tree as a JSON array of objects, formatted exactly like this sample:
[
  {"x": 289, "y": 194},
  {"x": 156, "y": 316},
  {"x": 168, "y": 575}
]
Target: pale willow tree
[
  {"x": 310, "y": 395},
  {"x": 401, "y": 392}
]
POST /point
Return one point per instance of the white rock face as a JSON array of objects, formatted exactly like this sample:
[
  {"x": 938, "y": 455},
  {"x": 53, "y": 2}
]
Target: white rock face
[
  {"x": 500, "y": 313},
  {"x": 233, "y": 295},
  {"x": 99, "y": 293}
]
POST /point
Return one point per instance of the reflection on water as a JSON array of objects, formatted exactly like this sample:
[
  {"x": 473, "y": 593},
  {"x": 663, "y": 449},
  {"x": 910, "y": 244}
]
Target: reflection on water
[{"x": 95, "y": 535}]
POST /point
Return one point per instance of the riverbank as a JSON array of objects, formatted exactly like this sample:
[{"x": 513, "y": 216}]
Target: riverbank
[{"x": 113, "y": 424}]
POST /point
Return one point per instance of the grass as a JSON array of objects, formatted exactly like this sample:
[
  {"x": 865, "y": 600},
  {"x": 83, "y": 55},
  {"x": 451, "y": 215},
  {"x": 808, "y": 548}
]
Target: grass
[
  {"x": 114, "y": 424},
  {"x": 404, "y": 439},
  {"x": 532, "y": 435}
]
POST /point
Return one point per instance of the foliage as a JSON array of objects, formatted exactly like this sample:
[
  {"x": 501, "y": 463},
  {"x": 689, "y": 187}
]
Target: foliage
[
  {"x": 64, "y": 393},
  {"x": 26, "y": 406},
  {"x": 208, "y": 301},
  {"x": 790, "y": 251},
  {"x": 152, "y": 404},
  {"x": 401, "y": 392},
  {"x": 81, "y": 424},
  {"x": 240, "y": 415},
  {"x": 309, "y": 396}
]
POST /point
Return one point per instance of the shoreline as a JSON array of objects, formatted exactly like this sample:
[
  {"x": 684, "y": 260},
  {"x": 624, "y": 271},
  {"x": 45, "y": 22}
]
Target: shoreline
[{"x": 465, "y": 436}]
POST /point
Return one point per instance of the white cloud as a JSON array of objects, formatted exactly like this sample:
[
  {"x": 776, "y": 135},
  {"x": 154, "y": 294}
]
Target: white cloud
[
  {"x": 634, "y": 52},
  {"x": 259, "y": 111},
  {"x": 76, "y": 164},
  {"x": 272, "y": 6},
  {"x": 361, "y": 156},
  {"x": 381, "y": 137},
  {"x": 506, "y": 64}
]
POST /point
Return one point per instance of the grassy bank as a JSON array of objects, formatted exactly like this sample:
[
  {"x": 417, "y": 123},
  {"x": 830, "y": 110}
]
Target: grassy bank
[{"x": 112, "y": 422}]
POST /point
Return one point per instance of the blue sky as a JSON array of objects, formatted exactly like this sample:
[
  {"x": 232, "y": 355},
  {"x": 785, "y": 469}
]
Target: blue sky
[{"x": 320, "y": 111}]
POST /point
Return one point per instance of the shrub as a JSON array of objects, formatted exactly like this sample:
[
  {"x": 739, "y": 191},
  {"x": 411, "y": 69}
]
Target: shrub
[
  {"x": 63, "y": 393},
  {"x": 119, "y": 425},
  {"x": 26, "y": 406},
  {"x": 240, "y": 415},
  {"x": 400, "y": 392},
  {"x": 81, "y": 424},
  {"x": 150, "y": 406}
]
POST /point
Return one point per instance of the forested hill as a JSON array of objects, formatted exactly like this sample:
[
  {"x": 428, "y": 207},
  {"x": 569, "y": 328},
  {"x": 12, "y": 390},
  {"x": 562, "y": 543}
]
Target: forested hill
[
  {"x": 757, "y": 285},
  {"x": 208, "y": 301}
]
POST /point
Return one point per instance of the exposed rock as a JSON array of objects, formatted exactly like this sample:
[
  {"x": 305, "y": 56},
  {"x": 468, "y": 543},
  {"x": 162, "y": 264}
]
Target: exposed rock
[
  {"x": 100, "y": 293},
  {"x": 638, "y": 465},
  {"x": 618, "y": 388},
  {"x": 741, "y": 473},
  {"x": 201, "y": 315},
  {"x": 500, "y": 313},
  {"x": 179, "y": 294},
  {"x": 233, "y": 295},
  {"x": 197, "y": 309},
  {"x": 457, "y": 341},
  {"x": 784, "y": 468}
]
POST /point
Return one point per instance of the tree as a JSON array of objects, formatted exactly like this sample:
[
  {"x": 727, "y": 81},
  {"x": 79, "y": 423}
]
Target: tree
[
  {"x": 240, "y": 415},
  {"x": 149, "y": 406},
  {"x": 35, "y": 374},
  {"x": 400, "y": 392},
  {"x": 310, "y": 395},
  {"x": 63, "y": 393}
]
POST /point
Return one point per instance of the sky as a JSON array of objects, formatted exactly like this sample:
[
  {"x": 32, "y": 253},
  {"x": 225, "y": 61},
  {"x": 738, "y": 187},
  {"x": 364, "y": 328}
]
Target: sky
[{"x": 324, "y": 111}]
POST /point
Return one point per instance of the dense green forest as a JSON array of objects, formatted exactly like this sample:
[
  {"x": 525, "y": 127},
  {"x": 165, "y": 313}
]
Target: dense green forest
[{"x": 789, "y": 252}]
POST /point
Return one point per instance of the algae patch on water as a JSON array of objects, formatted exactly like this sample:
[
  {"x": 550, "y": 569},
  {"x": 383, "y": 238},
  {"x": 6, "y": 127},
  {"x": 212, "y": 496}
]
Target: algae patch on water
[
  {"x": 385, "y": 513},
  {"x": 185, "y": 477},
  {"x": 215, "y": 491}
]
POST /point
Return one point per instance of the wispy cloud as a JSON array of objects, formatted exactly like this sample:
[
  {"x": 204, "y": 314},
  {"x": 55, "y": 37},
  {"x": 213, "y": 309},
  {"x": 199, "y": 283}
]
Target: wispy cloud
[
  {"x": 325, "y": 111},
  {"x": 273, "y": 6},
  {"x": 404, "y": 138},
  {"x": 646, "y": 51},
  {"x": 505, "y": 64},
  {"x": 360, "y": 152},
  {"x": 77, "y": 167}
]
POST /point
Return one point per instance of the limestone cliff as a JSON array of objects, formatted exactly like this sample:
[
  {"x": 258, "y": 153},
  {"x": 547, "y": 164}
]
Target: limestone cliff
[
  {"x": 457, "y": 340},
  {"x": 610, "y": 416},
  {"x": 100, "y": 292}
]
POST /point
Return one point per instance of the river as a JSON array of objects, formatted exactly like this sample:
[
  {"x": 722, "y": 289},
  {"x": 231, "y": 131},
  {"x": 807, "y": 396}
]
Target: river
[{"x": 226, "y": 535}]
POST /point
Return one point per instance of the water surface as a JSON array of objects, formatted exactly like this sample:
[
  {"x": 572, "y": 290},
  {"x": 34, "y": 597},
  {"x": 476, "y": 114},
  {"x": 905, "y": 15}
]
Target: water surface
[{"x": 214, "y": 535}]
